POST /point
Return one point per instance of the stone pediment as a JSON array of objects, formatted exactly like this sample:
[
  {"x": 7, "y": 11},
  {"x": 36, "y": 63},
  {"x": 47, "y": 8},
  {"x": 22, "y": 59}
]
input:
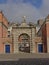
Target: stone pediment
[{"x": 24, "y": 24}]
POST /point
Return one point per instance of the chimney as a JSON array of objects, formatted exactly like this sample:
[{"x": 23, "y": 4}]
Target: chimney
[{"x": 40, "y": 22}]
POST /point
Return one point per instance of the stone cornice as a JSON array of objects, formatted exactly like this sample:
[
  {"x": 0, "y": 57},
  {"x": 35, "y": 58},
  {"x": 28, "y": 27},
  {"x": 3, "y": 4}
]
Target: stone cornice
[{"x": 22, "y": 27}]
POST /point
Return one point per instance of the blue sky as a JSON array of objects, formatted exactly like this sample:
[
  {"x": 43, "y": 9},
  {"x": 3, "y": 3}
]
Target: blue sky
[
  {"x": 14, "y": 10},
  {"x": 36, "y": 3}
]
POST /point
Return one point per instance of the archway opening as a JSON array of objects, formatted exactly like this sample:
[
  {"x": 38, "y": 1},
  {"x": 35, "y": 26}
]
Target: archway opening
[{"x": 24, "y": 43}]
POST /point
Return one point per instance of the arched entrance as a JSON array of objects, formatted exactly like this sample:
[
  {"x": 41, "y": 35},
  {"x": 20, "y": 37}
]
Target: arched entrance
[{"x": 24, "y": 43}]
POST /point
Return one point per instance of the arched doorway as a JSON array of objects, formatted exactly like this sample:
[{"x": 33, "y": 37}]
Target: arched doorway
[{"x": 24, "y": 43}]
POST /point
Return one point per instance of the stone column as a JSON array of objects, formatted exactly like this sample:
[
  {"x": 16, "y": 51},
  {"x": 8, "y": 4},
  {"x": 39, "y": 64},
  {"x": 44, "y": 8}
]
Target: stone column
[
  {"x": 16, "y": 48},
  {"x": 47, "y": 44},
  {"x": 32, "y": 40},
  {"x": 33, "y": 47}
]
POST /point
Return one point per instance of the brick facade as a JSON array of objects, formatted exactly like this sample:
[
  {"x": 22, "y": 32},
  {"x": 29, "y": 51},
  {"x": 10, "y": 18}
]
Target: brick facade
[{"x": 3, "y": 33}]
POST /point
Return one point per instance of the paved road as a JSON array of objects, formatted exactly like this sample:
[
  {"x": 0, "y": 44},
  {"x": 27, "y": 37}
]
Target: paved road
[
  {"x": 13, "y": 57},
  {"x": 24, "y": 59},
  {"x": 27, "y": 62}
]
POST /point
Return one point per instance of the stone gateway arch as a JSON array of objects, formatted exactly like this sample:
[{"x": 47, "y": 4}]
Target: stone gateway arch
[
  {"x": 24, "y": 43},
  {"x": 23, "y": 37}
]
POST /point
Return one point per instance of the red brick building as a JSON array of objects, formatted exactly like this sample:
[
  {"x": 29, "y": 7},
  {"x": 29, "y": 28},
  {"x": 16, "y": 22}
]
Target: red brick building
[
  {"x": 44, "y": 33},
  {"x": 4, "y": 40}
]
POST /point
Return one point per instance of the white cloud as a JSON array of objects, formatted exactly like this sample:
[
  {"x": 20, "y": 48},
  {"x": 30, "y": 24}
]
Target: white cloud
[
  {"x": 15, "y": 12},
  {"x": 44, "y": 10}
]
